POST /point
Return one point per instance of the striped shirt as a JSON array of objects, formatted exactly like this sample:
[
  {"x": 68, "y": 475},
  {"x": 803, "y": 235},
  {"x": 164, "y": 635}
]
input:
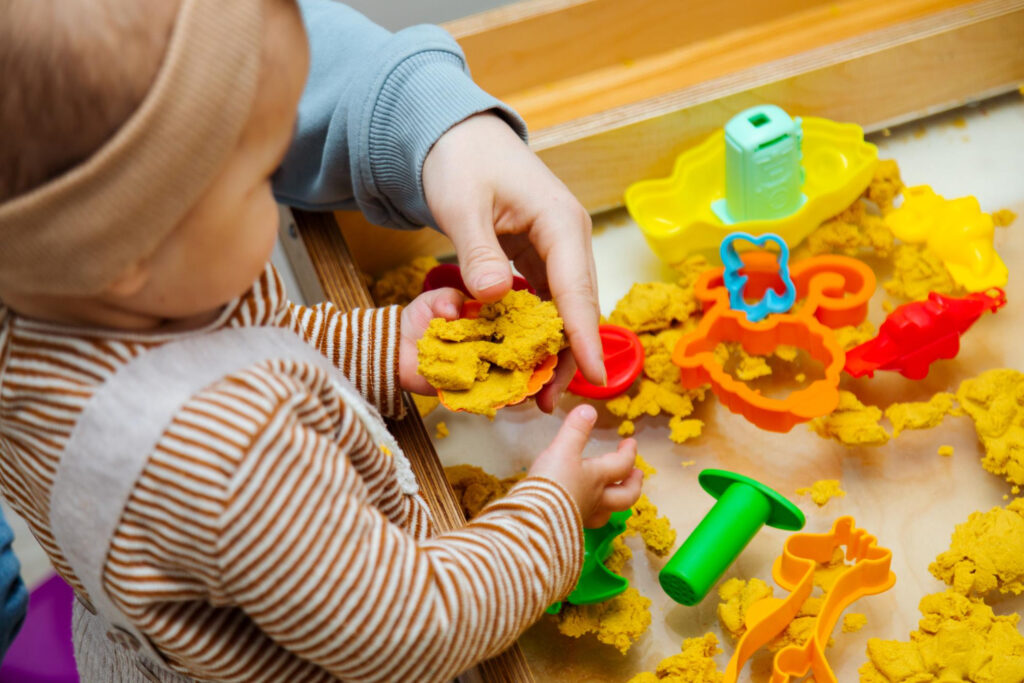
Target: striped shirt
[{"x": 267, "y": 538}]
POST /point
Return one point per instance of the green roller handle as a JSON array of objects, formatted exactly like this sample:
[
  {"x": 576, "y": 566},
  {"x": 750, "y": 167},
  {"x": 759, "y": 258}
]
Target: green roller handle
[{"x": 744, "y": 506}]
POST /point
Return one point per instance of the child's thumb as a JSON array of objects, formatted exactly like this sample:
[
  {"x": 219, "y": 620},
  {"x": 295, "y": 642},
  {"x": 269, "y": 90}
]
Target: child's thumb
[{"x": 575, "y": 430}]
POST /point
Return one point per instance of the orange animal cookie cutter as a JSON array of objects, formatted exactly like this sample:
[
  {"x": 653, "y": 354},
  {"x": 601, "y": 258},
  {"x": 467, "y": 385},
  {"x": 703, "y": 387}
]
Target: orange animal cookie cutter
[
  {"x": 794, "y": 570},
  {"x": 835, "y": 291},
  {"x": 542, "y": 374}
]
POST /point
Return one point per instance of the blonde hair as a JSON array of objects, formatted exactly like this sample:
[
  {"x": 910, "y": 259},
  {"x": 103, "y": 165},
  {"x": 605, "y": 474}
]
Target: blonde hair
[{"x": 73, "y": 71}]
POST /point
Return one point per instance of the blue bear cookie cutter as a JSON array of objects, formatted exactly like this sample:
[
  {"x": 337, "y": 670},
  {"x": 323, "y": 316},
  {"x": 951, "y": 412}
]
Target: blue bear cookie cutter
[{"x": 736, "y": 282}]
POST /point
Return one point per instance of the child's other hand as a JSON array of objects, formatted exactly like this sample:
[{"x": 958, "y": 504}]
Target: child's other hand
[
  {"x": 497, "y": 201},
  {"x": 601, "y": 485},
  {"x": 437, "y": 303}
]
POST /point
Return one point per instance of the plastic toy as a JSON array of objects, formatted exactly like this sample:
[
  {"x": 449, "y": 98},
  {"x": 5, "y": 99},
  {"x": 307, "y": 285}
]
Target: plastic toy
[
  {"x": 743, "y": 507},
  {"x": 835, "y": 290},
  {"x": 450, "y": 275},
  {"x": 623, "y": 360},
  {"x": 597, "y": 583},
  {"x": 794, "y": 571},
  {"x": 762, "y": 166},
  {"x": 675, "y": 213},
  {"x": 919, "y": 333},
  {"x": 542, "y": 374},
  {"x": 735, "y": 282},
  {"x": 957, "y": 230}
]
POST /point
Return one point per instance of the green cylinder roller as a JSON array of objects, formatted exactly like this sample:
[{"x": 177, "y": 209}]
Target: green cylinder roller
[{"x": 744, "y": 506}]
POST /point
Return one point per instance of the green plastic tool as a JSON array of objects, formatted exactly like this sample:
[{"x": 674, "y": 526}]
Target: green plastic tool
[
  {"x": 597, "y": 583},
  {"x": 744, "y": 506}
]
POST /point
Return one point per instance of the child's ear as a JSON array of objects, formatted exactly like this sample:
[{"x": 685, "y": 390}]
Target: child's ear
[{"x": 131, "y": 280}]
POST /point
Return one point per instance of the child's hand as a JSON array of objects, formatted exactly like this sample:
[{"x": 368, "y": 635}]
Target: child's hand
[
  {"x": 601, "y": 485},
  {"x": 437, "y": 303},
  {"x": 497, "y": 201}
]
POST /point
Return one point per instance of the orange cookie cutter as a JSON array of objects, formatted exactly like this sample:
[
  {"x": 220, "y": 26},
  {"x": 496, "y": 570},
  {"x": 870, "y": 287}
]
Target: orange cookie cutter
[
  {"x": 794, "y": 570},
  {"x": 835, "y": 291},
  {"x": 542, "y": 374}
]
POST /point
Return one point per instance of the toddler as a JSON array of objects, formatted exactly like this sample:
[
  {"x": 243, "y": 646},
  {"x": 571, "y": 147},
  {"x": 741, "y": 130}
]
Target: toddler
[{"x": 203, "y": 461}]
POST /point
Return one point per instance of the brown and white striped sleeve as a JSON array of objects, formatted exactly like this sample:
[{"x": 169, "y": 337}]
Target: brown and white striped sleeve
[
  {"x": 362, "y": 343},
  {"x": 345, "y": 588},
  {"x": 287, "y": 529}
]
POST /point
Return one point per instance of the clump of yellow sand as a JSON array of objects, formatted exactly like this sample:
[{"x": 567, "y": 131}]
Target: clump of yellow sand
[
  {"x": 919, "y": 414},
  {"x": 403, "y": 284},
  {"x": 656, "y": 532},
  {"x": 851, "y": 232},
  {"x": 682, "y": 429},
  {"x": 885, "y": 185},
  {"x": 917, "y": 270},
  {"x": 695, "y": 664},
  {"x": 852, "y": 423},
  {"x": 995, "y": 401},
  {"x": 822, "y": 491},
  {"x": 653, "y": 398},
  {"x": 958, "y": 639},
  {"x": 651, "y": 306},
  {"x": 853, "y": 622},
  {"x": 857, "y": 230},
  {"x": 483, "y": 363},
  {"x": 643, "y": 466},
  {"x": 1003, "y": 218},
  {"x": 618, "y": 622},
  {"x": 854, "y": 335},
  {"x": 474, "y": 488},
  {"x": 986, "y": 553}
]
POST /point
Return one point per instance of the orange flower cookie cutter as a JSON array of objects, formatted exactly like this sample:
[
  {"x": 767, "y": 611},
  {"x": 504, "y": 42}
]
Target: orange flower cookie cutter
[
  {"x": 835, "y": 291},
  {"x": 794, "y": 571},
  {"x": 542, "y": 374}
]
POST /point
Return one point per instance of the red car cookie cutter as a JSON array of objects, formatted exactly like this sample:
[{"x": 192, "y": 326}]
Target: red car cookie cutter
[
  {"x": 794, "y": 571},
  {"x": 917, "y": 334},
  {"x": 835, "y": 291}
]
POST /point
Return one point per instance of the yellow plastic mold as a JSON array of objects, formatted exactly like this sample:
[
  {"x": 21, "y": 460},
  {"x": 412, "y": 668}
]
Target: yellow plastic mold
[
  {"x": 675, "y": 215},
  {"x": 955, "y": 229}
]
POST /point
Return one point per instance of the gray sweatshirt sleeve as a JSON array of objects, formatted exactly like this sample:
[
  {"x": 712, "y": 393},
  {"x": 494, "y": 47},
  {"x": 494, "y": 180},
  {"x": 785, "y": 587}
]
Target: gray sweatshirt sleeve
[{"x": 373, "y": 106}]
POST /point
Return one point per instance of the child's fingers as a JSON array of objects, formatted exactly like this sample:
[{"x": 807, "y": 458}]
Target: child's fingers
[
  {"x": 445, "y": 302},
  {"x": 575, "y": 430},
  {"x": 613, "y": 467},
  {"x": 623, "y": 495}
]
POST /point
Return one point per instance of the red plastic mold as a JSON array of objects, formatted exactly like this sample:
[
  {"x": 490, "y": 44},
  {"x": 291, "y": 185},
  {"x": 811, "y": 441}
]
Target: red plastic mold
[
  {"x": 623, "y": 360},
  {"x": 917, "y": 334}
]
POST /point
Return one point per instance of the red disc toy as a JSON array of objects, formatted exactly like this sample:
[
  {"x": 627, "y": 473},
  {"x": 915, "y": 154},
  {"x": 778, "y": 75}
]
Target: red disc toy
[
  {"x": 623, "y": 359},
  {"x": 449, "y": 275}
]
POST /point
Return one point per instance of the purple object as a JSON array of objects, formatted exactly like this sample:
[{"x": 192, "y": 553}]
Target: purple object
[{"x": 42, "y": 651}]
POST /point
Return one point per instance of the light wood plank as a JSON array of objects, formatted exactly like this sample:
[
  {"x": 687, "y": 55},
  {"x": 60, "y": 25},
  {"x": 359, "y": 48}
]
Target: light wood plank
[
  {"x": 879, "y": 79},
  {"x": 534, "y": 44},
  {"x": 714, "y": 55}
]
